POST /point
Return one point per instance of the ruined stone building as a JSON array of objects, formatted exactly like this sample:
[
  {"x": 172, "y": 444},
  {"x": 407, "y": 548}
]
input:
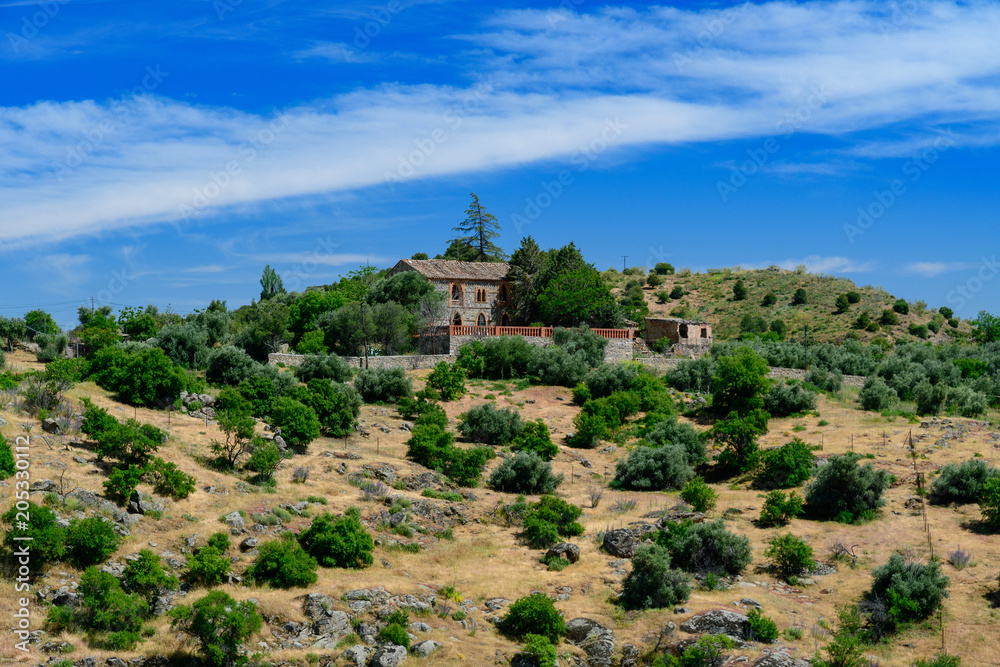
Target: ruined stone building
[
  {"x": 687, "y": 337},
  {"x": 477, "y": 293}
]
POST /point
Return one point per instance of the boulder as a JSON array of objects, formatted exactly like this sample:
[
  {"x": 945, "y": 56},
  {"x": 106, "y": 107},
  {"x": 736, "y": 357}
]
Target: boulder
[
  {"x": 678, "y": 517},
  {"x": 326, "y": 621},
  {"x": 44, "y": 486},
  {"x": 620, "y": 543},
  {"x": 425, "y": 648},
  {"x": 248, "y": 544},
  {"x": 776, "y": 659},
  {"x": 357, "y": 655},
  {"x": 234, "y": 520},
  {"x": 597, "y": 641},
  {"x": 389, "y": 656},
  {"x": 142, "y": 503},
  {"x": 570, "y": 552},
  {"x": 50, "y": 425},
  {"x": 717, "y": 622}
]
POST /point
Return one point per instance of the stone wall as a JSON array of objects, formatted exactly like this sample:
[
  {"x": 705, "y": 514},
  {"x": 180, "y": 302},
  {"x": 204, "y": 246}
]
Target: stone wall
[
  {"x": 407, "y": 361},
  {"x": 618, "y": 349}
]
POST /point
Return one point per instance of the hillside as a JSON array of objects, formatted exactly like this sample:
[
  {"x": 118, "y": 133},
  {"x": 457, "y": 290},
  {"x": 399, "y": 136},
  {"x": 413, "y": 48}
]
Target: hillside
[
  {"x": 488, "y": 564},
  {"x": 709, "y": 296}
]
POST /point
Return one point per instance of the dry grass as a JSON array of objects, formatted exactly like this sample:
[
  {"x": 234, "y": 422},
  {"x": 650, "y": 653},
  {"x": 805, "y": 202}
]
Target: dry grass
[{"x": 486, "y": 561}]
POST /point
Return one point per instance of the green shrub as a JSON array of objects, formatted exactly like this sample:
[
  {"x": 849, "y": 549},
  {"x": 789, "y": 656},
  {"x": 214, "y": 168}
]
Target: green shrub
[
  {"x": 105, "y": 607},
  {"x": 653, "y": 469},
  {"x": 169, "y": 480},
  {"x": 790, "y": 554},
  {"x": 581, "y": 394},
  {"x": 989, "y": 503},
  {"x": 760, "y": 628},
  {"x": 737, "y": 433},
  {"x": 383, "y": 384},
  {"x": 918, "y": 330},
  {"x": 52, "y": 346},
  {"x": 533, "y": 615},
  {"x": 609, "y": 378},
  {"x": 48, "y": 538},
  {"x": 323, "y": 367},
  {"x": 699, "y": 495},
  {"x": 283, "y": 563},
  {"x": 779, "y": 510},
  {"x": 903, "y": 592},
  {"x": 706, "y": 547},
  {"x": 962, "y": 482},
  {"x": 396, "y": 634},
  {"x": 229, "y": 365},
  {"x": 554, "y": 365},
  {"x": 433, "y": 447},
  {"x": 298, "y": 423},
  {"x": 652, "y": 584},
  {"x": 337, "y": 406},
  {"x": 550, "y": 518},
  {"x": 525, "y": 472},
  {"x": 90, "y": 541},
  {"x": 220, "y": 625},
  {"x": 209, "y": 566},
  {"x": 966, "y": 401},
  {"x": 450, "y": 496},
  {"x": 265, "y": 458},
  {"x": 539, "y": 650},
  {"x": 145, "y": 577},
  {"x": 786, "y": 466},
  {"x": 876, "y": 394},
  {"x": 929, "y": 398},
  {"x": 800, "y": 298},
  {"x": 504, "y": 357},
  {"x": 7, "y": 461},
  {"x": 485, "y": 423},
  {"x": 739, "y": 290},
  {"x": 535, "y": 437},
  {"x": 339, "y": 542},
  {"x": 597, "y": 421},
  {"x": 784, "y": 399},
  {"x": 671, "y": 432},
  {"x": 448, "y": 380},
  {"x": 692, "y": 375},
  {"x": 845, "y": 491},
  {"x": 121, "y": 484}
]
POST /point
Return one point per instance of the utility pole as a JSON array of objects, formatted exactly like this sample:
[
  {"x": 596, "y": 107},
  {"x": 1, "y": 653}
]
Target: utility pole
[{"x": 624, "y": 262}]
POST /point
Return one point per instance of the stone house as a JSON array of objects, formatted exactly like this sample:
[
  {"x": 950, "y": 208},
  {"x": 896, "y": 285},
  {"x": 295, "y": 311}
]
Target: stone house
[
  {"x": 685, "y": 336},
  {"x": 477, "y": 293}
]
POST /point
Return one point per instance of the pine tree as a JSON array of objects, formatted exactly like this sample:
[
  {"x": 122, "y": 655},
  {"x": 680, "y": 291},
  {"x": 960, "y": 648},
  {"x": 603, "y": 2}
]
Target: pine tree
[
  {"x": 270, "y": 284},
  {"x": 479, "y": 229}
]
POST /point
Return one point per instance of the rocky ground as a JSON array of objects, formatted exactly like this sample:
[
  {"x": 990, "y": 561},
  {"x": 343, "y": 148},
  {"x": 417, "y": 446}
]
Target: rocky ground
[{"x": 462, "y": 545}]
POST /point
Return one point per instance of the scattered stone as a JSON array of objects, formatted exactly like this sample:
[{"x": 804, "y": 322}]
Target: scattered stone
[
  {"x": 597, "y": 641},
  {"x": 620, "y": 543},
  {"x": 420, "y": 627},
  {"x": 357, "y": 655},
  {"x": 142, "y": 503},
  {"x": 248, "y": 544},
  {"x": 44, "y": 486},
  {"x": 750, "y": 602},
  {"x": 717, "y": 622},
  {"x": 389, "y": 656},
  {"x": 50, "y": 425},
  {"x": 565, "y": 550},
  {"x": 80, "y": 459},
  {"x": 777, "y": 659},
  {"x": 682, "y": 610},
  {"x": 425, "y": 648},
  {"x": 234, "y": 520}
]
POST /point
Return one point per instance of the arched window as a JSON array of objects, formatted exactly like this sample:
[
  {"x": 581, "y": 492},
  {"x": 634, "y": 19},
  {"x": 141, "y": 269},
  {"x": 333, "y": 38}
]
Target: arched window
[
  {"x": 684, "y": 331},
  {"x": 505, "y": 320},
  {"x": 480, "y": 296},
  {"x": 502, "y": 294},
  {"x": 481, "y": 320},
  {"x": 457, "y": 320},
  {"x": 456, "y": 293}
]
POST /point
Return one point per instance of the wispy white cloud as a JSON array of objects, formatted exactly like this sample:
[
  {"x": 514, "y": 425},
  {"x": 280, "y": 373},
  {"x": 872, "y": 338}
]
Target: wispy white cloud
[
  {"x": 339, "y": 52},
  {"x": 319, "y": 258},
  {"x": 557, "y": 80},
  {"x": 935, "y": 269},
  {"x": 819, "y": 264}
]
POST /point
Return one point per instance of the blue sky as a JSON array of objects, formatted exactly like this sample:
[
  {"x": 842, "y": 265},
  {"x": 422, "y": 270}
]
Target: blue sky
[{"x": 165, "y": 152}]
